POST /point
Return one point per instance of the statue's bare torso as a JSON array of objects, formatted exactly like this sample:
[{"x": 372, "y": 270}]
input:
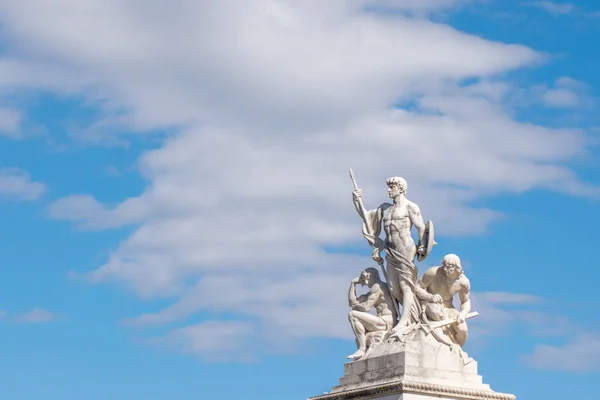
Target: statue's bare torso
[
  {"x": 439, "y": 283},
  {"x": 397, "y": 226},
  {"x": 396, "y": 219},
  {"x": 384, "y": 304}
]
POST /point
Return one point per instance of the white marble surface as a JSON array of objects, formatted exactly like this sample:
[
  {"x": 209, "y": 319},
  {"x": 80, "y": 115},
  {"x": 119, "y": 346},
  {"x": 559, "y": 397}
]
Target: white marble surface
[
  {"x": 396, "y": 221},
  {"x": 370, "y": 329},
  {"x": 423, "y": 359},
  {"x": 437, "y": 289}
]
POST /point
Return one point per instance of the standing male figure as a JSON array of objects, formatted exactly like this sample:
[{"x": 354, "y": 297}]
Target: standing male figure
[
  {"x": 397, "y": 220},
  {"x": 361, "y": 320},
  {"x": 440, "y": 284}
]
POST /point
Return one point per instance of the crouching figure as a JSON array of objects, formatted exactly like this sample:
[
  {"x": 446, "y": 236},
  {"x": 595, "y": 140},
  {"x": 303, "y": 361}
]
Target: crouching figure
[{"x": 437, "y": 288}]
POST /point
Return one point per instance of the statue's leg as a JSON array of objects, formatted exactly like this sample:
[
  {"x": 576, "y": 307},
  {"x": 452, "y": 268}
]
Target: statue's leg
[
  {"x": 408, "y": 301},
  {"x": 458, "y": 332},
  {"x": 461, "y": 332},
  {"x": 408, "y": 296},
  {"x": 358, "y": 329},
  {"x": 393, "y": 280},
  {"x": 355, "y": 329},
  {"x": 403, "y": 271},
  {"x": 363, "y": 322},
  {"x": 370, "y": 322}
]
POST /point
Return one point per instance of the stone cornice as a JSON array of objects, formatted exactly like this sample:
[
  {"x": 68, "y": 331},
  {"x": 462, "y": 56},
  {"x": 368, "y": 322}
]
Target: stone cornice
[{"x": 387, "y": 389}]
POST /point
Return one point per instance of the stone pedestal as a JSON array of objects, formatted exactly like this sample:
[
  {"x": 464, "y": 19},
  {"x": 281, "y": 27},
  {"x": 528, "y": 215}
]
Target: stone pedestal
[{"x": 419, "y": 370}]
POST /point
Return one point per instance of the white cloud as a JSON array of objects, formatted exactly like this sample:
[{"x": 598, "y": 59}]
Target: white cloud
[
  {"x": 81, "y": 207},
  {"x": 215, "y": 341},
  {"x": 291, "y": 308},
  {"x": 296, "y": 303},
  {"x": 554, "y": 8},
  {"x": 561, "y": 9},
  {"x": 16, "y": 184},
  {"x": 566, "y": 93},
  {"x": 10, "y": 122},
  {"x": 561, "y": 98},
  {"x": 320, "y": 62},
  {"x": 580, "y": 354},
  {"x": 270, "y": 102},
  {"x": 35, "y": 316},
  {"x": 501, "y": 311},
  {"x": 570, "y": 83},
  {"x": 497, "y": 298}
]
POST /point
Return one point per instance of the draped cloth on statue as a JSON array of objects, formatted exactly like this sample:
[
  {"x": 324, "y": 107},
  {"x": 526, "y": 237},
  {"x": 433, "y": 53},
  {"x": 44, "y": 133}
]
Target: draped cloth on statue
[{"x": 395, "y": 259}]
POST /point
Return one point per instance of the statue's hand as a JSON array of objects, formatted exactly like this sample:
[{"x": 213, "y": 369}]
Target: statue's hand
[
  {"x": 461, "y": 318},
  {"x": 356, "y": 280},
  {"x": 436, "y": 298},
  {"x": 376, "y": 256},
  {"x": 357, "y": 195},
  {"x": 421, "y": 250}
]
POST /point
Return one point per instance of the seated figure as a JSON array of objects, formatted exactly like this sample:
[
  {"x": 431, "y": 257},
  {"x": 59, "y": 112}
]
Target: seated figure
[{"x": 370, "y": 329}]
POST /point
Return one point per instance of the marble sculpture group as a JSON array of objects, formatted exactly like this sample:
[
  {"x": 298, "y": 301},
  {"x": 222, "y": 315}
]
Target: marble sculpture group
[{"x": 428, "y": 312}]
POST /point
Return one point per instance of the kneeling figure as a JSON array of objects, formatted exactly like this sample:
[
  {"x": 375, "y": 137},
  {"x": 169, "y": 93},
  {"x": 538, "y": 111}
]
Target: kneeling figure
[{"x": 437, "y": 288}]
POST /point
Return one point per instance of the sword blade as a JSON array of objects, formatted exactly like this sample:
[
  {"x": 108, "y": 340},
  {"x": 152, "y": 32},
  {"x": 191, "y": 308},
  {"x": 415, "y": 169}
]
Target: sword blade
[
  {"x": 353, "y": 179},
  {"x": 449, "y": 321}
]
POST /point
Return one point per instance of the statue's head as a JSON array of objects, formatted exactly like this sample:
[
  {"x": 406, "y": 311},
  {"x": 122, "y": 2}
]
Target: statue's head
[
  {"x": 451, "y": 266},
  {"x": 369, "y": 277},
  {"x": 396, "y": 186}
]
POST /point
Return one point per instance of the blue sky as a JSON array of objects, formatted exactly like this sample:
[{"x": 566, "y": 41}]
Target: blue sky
[{"x": 176, "y": 211}]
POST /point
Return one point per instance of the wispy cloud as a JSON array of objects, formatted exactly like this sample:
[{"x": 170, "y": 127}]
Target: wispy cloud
[
  {"x": 567, "y": 93},
  {"x": 35, "y": 316},
  {"x": 558, "y": 9},
  {"x": 290, "y": 312},
  {"x": 564, "y": 94},
  {"x": 10, "y": 123},
  {"x": 16, "y": 184},
  {"x": 560, "y": 98},
  {"x": 579, "y": 354},
  {"x": 554, "y": 8},
  {"x": 215, "y": 341},
  {"x": 500, "y": 312}
]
